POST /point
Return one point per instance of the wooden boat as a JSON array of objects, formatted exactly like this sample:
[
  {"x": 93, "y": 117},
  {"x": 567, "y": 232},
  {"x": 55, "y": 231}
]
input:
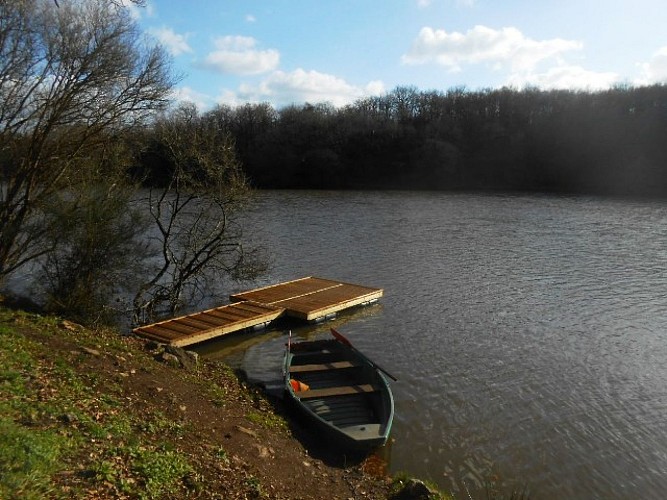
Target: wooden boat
[{"x": 345, "y": 394}]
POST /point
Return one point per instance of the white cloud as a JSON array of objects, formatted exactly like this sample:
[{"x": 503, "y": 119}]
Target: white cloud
[
  {"x": 231, "y": 98},
  {"x": 137, "y": 12},
  {"x": 565, "y": 77},
  {"x": 250, "y": 18},
  {"x": 174, "y": 43},
  {"x": 654, "y": 71},
  {"x": 188, "y": 94},
  {"x": 507, "y": 46},
  {"x": 422, "y": 4},
  {"x": 299, "y": 86},
  {"x": 238, "y": 55}
]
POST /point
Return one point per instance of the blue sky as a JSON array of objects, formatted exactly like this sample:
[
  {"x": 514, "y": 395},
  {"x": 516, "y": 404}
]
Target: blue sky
[{"x": 337, "y": 51}]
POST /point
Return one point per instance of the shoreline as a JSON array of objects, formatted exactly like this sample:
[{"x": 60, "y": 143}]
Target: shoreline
[{"x": 115, "y": 417}]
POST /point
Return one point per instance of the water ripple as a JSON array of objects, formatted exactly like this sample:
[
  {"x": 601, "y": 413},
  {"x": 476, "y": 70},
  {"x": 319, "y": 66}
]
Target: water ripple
[{"x": 528, "y": 333}]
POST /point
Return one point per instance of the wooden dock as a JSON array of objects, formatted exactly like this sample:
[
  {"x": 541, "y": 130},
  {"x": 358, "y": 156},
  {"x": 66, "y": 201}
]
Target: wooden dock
[
  {"x": 205, "y": 325},
  {"x": 307, "y": 299},
  {"x": 311, "y": 298}
]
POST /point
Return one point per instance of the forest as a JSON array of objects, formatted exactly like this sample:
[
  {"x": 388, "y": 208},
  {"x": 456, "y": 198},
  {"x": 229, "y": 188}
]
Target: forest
[{"x": 609, "y": 142}]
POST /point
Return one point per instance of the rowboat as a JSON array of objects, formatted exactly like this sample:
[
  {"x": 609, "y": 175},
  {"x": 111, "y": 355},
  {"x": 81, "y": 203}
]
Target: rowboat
[{"x": 342, "y": 392}]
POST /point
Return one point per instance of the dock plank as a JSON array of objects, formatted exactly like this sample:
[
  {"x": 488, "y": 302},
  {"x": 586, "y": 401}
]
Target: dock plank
[
  {"x": 195, "y": 323},
  {"x": 160, "y": 333},
  {"x": 213, "y": 319},
  {"x": 311, "y": 298},
  {"x": 282, "y": 291},
  {"x": 222, "y": 316},
  {"x": 205, "y": 325},
  {"x": 179, "y": 327}
]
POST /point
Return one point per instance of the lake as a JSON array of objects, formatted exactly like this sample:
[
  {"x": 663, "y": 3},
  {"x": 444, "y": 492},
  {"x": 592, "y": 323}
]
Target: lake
[{"x": 528, "y": 333}]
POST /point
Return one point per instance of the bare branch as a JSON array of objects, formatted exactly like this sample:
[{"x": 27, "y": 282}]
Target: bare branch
[{"x": 193, "y": 213}]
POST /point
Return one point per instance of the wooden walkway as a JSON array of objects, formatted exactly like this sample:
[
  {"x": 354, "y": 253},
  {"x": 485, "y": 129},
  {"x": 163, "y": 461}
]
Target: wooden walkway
[
  {"x": 307, "y": 299},
  {"x": 206, "y": 325},
  {"x": 311, "y": 298}
]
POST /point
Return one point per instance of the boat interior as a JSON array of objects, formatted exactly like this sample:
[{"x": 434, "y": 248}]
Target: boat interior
[{"x": 340, "y": 389}]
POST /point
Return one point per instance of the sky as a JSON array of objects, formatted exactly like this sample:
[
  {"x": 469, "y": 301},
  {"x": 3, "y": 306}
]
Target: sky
[{"x": 338, "y": 51}]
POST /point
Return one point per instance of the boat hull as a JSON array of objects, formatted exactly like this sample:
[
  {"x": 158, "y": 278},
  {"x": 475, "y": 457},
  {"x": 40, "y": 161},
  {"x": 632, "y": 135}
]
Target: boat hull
[{"x": 342, "y": 394}]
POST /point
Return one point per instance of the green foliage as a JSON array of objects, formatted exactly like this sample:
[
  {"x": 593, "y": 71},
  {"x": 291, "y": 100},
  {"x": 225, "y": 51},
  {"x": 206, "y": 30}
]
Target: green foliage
[
  {"x": 268, "y": 420},
  {"x": 221, "y": 453},
  {"x": 157, "y": 423},
  {"x": 28, "y": 458},
  {"x": 37, "y": 441},
  {"x": 99, "y": 253},
  {"x": 16, "y": 365},
  {"x": 105, "y": 471},
  {"x": 161, "y": 471},
  {"x": 255, "y": 486},
  {"x": 217, "y": 394}
]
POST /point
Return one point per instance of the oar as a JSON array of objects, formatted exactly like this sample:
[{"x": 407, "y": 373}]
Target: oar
[{"x": 341, "y": 338}]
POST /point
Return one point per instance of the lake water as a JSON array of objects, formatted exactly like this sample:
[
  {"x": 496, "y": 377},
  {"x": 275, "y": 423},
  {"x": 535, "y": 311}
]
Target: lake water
[{"x": 528, "y": 333}]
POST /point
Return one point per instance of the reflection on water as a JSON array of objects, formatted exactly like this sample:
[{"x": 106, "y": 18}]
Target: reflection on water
[
  {"x": 528, "y": 333},
  {"x": 259, "y": 353}
]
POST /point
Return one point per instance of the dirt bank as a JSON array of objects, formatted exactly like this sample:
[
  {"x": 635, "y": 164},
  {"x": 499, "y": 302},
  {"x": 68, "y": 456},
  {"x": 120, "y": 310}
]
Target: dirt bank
[{"x": 127, "y": 424}]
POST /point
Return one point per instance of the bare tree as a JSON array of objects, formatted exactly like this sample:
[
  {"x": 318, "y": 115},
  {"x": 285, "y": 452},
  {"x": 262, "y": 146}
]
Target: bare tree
[
  {"x": 195, "y": 234},
  {"x": 69, "y": 75}
]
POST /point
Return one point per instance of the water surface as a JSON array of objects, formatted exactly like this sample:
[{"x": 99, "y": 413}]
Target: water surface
[{"x": 529, "y": 334}]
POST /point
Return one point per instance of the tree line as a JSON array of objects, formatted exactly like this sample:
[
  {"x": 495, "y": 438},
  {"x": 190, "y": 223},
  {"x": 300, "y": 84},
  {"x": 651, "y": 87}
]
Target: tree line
[{"x": 606, "y": 142}]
